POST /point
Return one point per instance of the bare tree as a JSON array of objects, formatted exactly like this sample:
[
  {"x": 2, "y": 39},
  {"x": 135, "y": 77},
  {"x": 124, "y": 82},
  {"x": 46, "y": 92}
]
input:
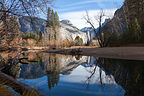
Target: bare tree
[
  {"x": 99, "y": 34},
  {"x": 15, "y": 8},
  {"x": 23, "y": 7}
]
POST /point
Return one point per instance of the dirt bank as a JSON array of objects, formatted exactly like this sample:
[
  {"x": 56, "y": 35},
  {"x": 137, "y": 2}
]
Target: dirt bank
[{"x": 132, "y": 53}]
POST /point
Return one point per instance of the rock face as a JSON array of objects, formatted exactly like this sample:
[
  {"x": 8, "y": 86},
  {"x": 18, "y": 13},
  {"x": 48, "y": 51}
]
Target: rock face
[
  {"x": 90, "y": 32},
  {"x": 68, "y": 22},
  {"x": 32, "y": 24},
  {"x": 67, "y": 30},
  {"x": 117, "y": 23},
  {"x": 131, "y": 10}
]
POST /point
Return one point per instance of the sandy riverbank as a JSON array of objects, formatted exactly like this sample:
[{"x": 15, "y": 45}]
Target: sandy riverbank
[{"x": 132, "y": 53}]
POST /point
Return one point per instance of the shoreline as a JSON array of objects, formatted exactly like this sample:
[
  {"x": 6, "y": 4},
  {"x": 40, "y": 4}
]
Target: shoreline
[{"x": 130, "y": 53}]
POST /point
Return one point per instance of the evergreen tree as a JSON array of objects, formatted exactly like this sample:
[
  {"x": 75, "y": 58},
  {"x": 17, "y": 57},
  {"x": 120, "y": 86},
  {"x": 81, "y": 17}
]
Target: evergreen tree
[
  {"x": 57, "y": 19},
  {"x": 137, "y": 29},
  {"x": 52, "y": 26},
  {"x": 48, "y": 18},
  {"x": 57, "y": 24},
  {"x": 78, "y": 41},
  {"x": 40, "y": 35},
  {"x": 53, "y": 19}
]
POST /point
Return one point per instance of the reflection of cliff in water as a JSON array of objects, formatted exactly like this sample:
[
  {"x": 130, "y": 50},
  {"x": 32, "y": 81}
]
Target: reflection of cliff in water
[
  {"x": 129, "y": 74},
  {"x": 49, "y": 63}
]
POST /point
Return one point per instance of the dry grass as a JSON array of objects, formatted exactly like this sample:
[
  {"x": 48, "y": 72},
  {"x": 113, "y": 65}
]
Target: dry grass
[{"x": 67, "y": 43}]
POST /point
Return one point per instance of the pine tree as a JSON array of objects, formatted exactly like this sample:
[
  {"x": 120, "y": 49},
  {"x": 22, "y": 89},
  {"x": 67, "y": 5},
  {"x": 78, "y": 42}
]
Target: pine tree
[
  {"x": 52, "y": 26},
  {"x": 57, "y": 19},
  {"x": 48, "y": 18},
  {"x": 40, "y": 35},
  {"x": 53, "y": 19},
  {"x": 137, "y": 29}
]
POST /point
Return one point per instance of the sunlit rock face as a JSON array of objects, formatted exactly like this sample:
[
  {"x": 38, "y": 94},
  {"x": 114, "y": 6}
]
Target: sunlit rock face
[
  {"x": 89, "y": 31},
  {"x": 68, "y": 22},
  {"x": 67, "y": 29}
]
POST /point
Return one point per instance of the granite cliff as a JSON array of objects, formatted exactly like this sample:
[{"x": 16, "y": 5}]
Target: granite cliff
[{"x": 67, "y": 29}]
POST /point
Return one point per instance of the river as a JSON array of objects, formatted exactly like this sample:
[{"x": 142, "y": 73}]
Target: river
[{"x": 66, "y": 75}]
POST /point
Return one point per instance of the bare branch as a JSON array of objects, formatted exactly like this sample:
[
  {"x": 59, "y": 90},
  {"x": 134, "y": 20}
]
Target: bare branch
[{"x": 99, "y": 34}]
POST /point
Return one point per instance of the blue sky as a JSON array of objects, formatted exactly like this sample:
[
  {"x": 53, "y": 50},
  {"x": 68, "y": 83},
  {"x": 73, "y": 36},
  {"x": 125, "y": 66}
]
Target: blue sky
[{"x": 74, "y": 10}]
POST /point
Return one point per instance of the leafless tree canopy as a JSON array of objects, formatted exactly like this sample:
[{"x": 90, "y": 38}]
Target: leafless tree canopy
[
  {"x": 11, "y": 9},
  {"x": 24, "y": 7},
  {"x": 99, "y": 34}
]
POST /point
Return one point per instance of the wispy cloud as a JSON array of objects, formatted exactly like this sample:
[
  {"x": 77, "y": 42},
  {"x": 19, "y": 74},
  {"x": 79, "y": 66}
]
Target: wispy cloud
[
  {"x": 70, "y": 8},
  {"x": 77, "y": 17},
  {"x": 92, "y": 1}
]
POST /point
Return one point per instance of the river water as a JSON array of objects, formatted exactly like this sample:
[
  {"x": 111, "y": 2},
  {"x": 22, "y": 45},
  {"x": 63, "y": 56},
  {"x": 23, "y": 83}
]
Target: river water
[{"x": 66, "y": 75}]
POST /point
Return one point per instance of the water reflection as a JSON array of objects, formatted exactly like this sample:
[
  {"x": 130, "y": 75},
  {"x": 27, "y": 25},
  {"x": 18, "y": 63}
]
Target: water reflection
[
  {"x": 128, "y": 73},
  {"x": 69, "y": 75},
  {"x": 59, "y": 75}
]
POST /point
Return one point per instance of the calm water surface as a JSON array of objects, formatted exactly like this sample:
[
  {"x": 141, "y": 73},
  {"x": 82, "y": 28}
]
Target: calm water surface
[{"x": 59, "y": 75}]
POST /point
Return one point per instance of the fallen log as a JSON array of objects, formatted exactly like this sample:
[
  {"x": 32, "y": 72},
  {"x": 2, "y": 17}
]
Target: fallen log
[{"x": 19, "y": 87}]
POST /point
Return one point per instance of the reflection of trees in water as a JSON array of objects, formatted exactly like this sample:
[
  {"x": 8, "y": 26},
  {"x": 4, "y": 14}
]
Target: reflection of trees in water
[
  {"x": 53, "y": 71},
  {"x": 129, "y": 74},
  {"x": 53, "y": 79},
  {"x": 96, "y": 64},
  {"x": 11, "y": 66},
  {"x": 8, "y": 74},
  {"x": 92, "y": 72},
  {"x": 78, "y": 57}
]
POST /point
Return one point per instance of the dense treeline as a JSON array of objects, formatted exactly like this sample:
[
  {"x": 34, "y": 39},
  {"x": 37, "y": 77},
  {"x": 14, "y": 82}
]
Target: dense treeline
[
  {"x": 32, "y": 35},
  {"x": 133, "y": 35}
]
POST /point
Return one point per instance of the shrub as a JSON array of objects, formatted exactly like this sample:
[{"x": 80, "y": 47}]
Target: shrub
[
  {"x": 31, "y": 42},
  {"x": 78, "y": 41},
  {"x": 67, "y": 43},
  {"x": 71, "y": 42},
  {"x": 30, "y": 35}
]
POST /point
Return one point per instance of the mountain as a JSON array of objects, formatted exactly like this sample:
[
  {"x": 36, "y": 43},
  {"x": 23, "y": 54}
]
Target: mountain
[
  {"x": 90, "y": 32},
  {"x": 67, "y": 29},
  {"x": 117, "y": 23},
  {"x": 126, "y": 15},
  {"x": 32, "y": 24}
]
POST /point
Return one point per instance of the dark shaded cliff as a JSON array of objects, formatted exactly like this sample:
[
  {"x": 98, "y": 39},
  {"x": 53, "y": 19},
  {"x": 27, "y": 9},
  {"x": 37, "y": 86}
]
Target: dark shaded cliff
[
  {"x": 126, "y": 15},
  {"x": 127, "y": 26}
]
